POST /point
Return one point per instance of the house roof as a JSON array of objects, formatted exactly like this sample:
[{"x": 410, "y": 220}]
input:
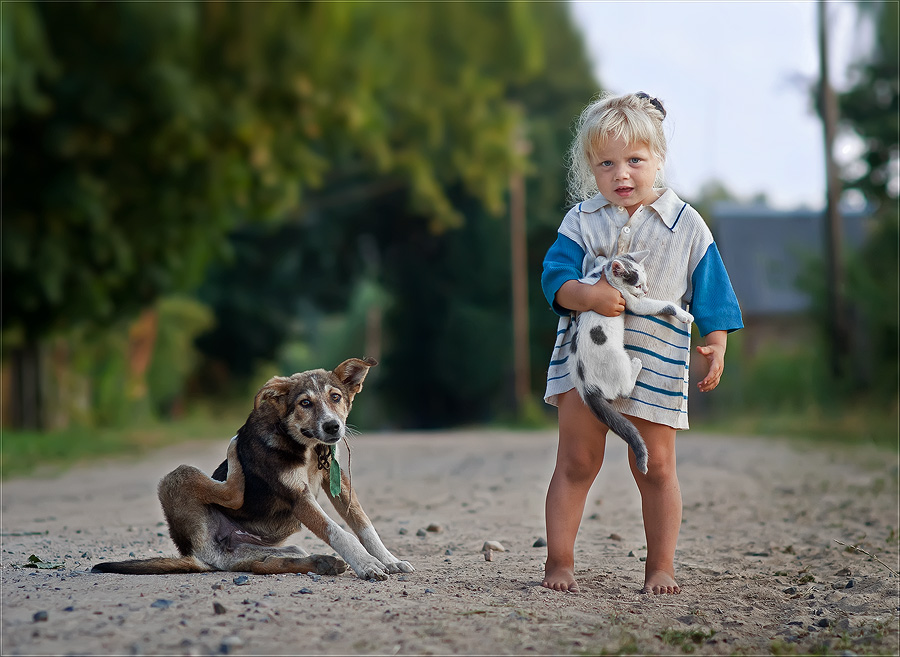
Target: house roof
[{"x": 766, "y": 250}]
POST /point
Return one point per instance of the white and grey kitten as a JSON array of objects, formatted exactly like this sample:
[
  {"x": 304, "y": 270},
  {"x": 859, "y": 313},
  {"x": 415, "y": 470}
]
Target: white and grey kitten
[{"x": 602, "y": 368}]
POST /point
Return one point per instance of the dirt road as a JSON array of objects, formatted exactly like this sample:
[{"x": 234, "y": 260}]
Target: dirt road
[{"x": 757, "y": 558}]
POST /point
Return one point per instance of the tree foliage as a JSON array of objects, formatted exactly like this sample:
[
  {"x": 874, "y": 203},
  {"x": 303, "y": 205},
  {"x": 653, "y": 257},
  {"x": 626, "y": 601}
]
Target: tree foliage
[
  {"x": 871, "y": 108},
  {"x": 136, "y": 136},
  {"x": 447, "y": 331}
]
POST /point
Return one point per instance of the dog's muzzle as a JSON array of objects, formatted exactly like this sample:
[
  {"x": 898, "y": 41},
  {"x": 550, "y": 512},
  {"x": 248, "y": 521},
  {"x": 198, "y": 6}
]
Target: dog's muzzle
[{"x": 330, "y": 431}]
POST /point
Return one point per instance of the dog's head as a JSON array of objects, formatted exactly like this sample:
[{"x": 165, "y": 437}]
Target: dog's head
[{"x": 315, "y": 404}]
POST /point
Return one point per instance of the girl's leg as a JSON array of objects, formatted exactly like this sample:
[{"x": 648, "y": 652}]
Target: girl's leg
[
  {"x": 582, "y": 441},
  {"x": 660, "y": 504}
]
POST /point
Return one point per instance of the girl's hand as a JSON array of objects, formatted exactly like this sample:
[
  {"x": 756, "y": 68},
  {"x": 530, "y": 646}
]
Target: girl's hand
[
  {"x": 714, "y": 352},
  {"x": 606, "y": 299},
  {"x": 600, "y": 297}
]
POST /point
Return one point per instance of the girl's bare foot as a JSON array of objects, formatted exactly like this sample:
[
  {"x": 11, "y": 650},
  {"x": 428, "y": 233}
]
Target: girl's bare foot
[
  {"x": 658, "y": 582},
  {"x": 560, "y": 579}
]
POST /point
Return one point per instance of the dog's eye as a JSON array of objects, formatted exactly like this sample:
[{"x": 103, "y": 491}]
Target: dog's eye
[
  {"x": 335, "y": 397},
  {"x": 305, "y": 403}
]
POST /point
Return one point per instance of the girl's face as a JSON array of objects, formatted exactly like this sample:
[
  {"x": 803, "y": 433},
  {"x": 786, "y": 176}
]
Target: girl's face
[{"x": 625, "y": 173}]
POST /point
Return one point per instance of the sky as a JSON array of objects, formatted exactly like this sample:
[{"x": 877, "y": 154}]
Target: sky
[{"x": 734, "y": 78}]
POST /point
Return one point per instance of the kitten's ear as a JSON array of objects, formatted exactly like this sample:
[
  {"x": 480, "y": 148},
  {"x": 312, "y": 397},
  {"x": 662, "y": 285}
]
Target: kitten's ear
[
  {"x": 639, "y": 256},
  {"x": 618, "y": 269}
]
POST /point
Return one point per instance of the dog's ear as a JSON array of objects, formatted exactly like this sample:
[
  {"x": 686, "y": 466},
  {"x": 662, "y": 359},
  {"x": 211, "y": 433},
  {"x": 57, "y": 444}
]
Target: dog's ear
[
  {"x": 352, "y": 372},
  {"x": 277, "y": 386}
]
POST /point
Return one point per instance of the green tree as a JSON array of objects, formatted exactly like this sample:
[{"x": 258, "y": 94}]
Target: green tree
[
  {"x": 448, "y": 282},
  {"x": 136, "y": 136},
  {"x": 871, "y": 109}
]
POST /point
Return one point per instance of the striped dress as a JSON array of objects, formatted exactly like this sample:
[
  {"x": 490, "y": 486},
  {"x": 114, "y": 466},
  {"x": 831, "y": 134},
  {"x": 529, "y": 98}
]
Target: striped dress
[{"x": 684, "y": 266}]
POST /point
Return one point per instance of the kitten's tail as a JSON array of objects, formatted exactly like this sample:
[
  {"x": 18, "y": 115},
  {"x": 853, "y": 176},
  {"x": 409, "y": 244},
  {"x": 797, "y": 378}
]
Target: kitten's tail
[
  {"x": 154, "y": 566},
  {"x": 618, "y": 424}
]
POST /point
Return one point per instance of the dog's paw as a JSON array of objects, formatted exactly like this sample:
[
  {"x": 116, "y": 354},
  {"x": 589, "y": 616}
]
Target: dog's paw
[
  {"x": 399, "y": 567},
  {"x": 326, "y": 565},
  {"x": 371, "y": 569}
]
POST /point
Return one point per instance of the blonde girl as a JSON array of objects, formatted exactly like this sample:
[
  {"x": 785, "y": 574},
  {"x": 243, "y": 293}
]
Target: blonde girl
[{"x": 615, "y": 162}]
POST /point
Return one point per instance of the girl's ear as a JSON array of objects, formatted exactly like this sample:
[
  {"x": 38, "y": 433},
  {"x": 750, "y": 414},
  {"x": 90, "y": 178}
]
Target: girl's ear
[{"x": 639, "y": 256}]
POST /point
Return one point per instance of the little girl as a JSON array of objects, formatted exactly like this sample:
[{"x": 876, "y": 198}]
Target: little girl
[{"x": 615, "y": 160}]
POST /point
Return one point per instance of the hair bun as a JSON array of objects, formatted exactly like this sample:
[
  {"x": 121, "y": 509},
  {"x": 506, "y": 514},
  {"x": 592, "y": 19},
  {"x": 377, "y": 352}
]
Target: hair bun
[{"x": 653, "y": 101}]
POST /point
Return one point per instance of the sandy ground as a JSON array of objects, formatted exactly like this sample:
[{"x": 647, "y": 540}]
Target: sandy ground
[{"x": 757, "y": 558}]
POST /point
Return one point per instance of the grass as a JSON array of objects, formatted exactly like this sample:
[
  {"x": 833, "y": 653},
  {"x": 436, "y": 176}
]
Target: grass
[
  {"x": 25, "y": 452},
  {"x": 858, "y": 425},
  {"x": 685, "y": 640}
]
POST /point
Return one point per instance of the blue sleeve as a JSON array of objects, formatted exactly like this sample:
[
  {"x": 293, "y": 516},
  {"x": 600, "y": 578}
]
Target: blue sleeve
[
  {"x": 562, "y": 263},
  {"x": 714, "y": 305}
]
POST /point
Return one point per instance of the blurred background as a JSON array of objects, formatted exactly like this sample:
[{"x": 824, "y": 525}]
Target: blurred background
[{"x": 198, "y": 196}]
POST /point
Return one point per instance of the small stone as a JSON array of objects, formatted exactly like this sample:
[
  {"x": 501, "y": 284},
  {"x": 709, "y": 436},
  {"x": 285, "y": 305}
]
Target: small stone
[
  {"x": 305, "y": 591},
  {"x": 229, "y": 643},
  {"x": 843, "y": 572},
  {"x": 428, "y": 591},
  {"x": 850, "y": 584},
  {"x": 219, "y": 608},
  {"x": 217, "y": 586},
  {"x": 87, "y": 554},
  {"x": 488, "y": 555},
  {"x": 421, "y": 532},
  {"x": 541, "y": 542},
  {"x": 631, "y": 553},
  {"x": 402, "y": 531},
  {"x": 791, "y": 590},
  {"x": 434, "y": 528},
  {"x": 615, "y": 537},
  {"x": 448, "y": 552},
  {"x": 824, "y": 622},
  {"x": 493, "y": 545},
  {"x": 241, "y": 580},
  {"x": 41, "y": 617},
  {"x": 162, "y": 604}
]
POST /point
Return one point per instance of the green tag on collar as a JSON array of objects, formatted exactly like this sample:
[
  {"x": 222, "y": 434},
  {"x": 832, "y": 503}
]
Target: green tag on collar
[{"x": 334, "y": 473}]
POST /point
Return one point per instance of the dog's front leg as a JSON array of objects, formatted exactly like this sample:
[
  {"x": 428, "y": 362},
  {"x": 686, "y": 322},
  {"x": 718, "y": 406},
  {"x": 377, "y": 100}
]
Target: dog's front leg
[
  {"x": 348, "y": 506},
  {"x": 309, "y": 513}
]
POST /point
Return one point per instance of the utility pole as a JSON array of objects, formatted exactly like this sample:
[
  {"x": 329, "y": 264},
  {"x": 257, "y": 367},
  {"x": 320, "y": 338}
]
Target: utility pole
[
  {"x": 837, "y": 309},
  {"x": 519, "y": 272}
]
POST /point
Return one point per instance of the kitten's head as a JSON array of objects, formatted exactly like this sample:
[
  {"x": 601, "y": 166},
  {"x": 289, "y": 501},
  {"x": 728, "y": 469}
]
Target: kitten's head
[{"x": 626, "y": 273}]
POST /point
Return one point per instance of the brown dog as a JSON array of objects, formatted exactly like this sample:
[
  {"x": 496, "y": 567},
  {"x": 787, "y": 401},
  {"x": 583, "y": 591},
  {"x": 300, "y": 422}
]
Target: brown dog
[{"x": 239, "y": 519}]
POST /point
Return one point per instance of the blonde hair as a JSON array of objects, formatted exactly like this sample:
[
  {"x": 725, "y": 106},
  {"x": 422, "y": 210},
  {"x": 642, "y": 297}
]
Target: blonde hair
[{"x": 633, "y": 117}]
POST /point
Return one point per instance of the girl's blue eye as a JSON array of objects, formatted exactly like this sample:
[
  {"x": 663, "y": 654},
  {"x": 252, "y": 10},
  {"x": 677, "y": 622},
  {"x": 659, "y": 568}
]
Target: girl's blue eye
[{"x": 635, "y": 160}]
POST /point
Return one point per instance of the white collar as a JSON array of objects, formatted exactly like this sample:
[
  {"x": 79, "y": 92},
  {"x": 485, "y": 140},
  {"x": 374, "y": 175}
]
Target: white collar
[{"x": 668, "y": 206}]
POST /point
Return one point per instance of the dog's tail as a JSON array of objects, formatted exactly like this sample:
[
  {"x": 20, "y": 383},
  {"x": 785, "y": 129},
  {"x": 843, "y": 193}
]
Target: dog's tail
[
  {"x": 155, "y": 566},
  {"x": 618, "y": 423}
]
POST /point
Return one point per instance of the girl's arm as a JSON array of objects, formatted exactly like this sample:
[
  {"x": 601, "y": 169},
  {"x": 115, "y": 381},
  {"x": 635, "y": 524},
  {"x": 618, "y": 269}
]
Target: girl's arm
[
  {"x": 601, "y": 297},
  {"x": 714, "y": 352}
]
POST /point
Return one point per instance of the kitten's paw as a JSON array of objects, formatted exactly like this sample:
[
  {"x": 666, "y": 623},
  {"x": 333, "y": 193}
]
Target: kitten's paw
[{"x": 684, "y": 316}]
